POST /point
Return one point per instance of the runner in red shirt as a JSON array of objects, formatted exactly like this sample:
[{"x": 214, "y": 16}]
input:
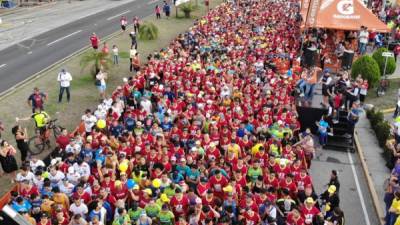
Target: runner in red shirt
[
  {"x": 309, "y": 212},
  {"x": 95, "y": 41},
  {"x": 251, "y": 217},
  {"x": 179, "y": 203},
  {"x": 294, "y": 218},
  {"x": 217, "y": 183}
]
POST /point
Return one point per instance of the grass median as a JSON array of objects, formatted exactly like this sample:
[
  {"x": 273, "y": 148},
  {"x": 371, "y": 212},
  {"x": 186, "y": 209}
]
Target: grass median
[
  {"x": 387, "y": 101},
  {"x": 83, "y": 91}
]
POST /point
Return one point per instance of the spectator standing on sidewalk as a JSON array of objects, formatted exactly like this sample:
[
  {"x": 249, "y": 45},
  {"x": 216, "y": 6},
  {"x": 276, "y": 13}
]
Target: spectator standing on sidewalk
[
  {"x": 95, "y": 41},
  {"x": 21, "y": 138},
  {"x": 167, "y": 9},
  {"x": 132, "y": 35},
  {"x": 132, "y": 54},
  {"x": 157, "y": 10},
  {"x": 65, "y": 78},
  {"x": 36, "y": 99},
  {"x": 7, "y": 159},
  {"x": 115, "y": 54},
  {"x": 102, "y": 77}
]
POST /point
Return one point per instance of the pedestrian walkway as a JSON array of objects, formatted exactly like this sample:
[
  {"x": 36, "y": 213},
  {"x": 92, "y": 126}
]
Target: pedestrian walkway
[
  {"x": 373, "y": 156},
  {"x": 27, "y": 23}
]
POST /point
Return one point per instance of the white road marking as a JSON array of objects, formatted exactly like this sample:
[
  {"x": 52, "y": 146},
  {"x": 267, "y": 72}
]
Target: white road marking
[
  {"x": 366, "y": 218},
  {"x": 151, "y": 2},
  {"x": 113, "y": 17},
  {"x": 3, "y": 65},
  {"x": 30, "y": 52},
  {"x": 60, "y": 39}
]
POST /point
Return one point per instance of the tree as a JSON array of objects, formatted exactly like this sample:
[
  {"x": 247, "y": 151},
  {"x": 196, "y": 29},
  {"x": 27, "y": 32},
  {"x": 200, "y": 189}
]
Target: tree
[
  {"x": 187, "y": 8},
  {"x": 391, "y": 63},
  {"x": 368, "y": 68},
  {"x": 97, "y": 60},
  {"x": 148, "y": 31}
]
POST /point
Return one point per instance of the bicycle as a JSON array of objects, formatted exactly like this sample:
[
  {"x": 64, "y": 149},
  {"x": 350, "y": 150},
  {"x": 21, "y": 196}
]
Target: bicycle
[
  {"x": 383, "y": 85},
  {"x": 39, "y": 141}
]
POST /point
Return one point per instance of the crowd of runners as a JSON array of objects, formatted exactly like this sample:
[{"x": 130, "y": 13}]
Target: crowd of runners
[{"x": 205, "y": 133}]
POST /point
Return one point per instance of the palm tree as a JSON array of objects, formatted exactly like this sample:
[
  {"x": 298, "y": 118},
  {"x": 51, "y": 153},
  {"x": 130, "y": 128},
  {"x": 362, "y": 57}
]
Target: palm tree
[{"x": 97, "y": 60}]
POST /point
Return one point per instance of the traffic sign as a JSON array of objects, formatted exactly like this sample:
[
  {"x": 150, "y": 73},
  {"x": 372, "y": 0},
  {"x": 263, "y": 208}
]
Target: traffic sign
[{"x": 387, "y": 54}]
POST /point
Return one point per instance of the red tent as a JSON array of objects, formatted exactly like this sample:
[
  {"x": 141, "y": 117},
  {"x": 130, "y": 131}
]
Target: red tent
[{"x": 341, "y": 15}]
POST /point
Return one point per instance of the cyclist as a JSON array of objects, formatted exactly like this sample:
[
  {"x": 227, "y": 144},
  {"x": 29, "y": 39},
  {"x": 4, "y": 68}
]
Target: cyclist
[{"x": 41, "y": 119}]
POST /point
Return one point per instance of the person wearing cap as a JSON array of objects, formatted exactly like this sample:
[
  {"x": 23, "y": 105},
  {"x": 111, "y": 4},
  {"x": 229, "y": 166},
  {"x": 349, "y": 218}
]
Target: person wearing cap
[
  {"x": 330, "y": 199},
  {"x": 44, "y": 219},
  {"x": 285, "y": 203},
  {"x": 135, "y": 211},
  {"x": 309, "y": 211}
]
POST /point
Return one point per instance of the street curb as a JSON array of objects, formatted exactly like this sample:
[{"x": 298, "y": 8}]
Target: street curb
[
  {"x": 37, "y": 75},
  {"x": 389, "y": 110},
  {"x": 371, "y": 187}
]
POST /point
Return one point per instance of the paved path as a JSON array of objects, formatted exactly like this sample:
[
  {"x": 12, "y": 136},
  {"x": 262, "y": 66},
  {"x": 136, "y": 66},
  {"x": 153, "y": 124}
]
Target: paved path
[
  {"x": 21, "y": 60},
  {"x": 356, "y": 201}
]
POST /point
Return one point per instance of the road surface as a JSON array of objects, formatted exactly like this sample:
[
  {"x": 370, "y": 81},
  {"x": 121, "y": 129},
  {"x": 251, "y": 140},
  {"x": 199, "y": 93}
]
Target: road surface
[{"x": 22, "y": 60}]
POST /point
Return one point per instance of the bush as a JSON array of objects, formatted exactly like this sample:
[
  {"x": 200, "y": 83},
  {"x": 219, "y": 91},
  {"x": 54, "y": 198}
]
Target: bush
[
  {"x": 379, "y": 125},
  {"x": 96, "y": 59},
  {"x": 368, "y": 68},
  {"x": 187, "y": 8},
  {"x": 391, "y": 63},
  {"x": 148, "y": 31}
]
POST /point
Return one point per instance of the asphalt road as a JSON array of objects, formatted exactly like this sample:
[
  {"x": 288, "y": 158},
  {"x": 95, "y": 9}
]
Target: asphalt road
[
  {"x": 355, "y": 199},
  {"x": 19, "y": 62}
]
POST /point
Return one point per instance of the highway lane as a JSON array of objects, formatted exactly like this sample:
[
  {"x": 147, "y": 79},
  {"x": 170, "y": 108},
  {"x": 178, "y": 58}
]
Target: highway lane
[{"x": 20, "y": 61}]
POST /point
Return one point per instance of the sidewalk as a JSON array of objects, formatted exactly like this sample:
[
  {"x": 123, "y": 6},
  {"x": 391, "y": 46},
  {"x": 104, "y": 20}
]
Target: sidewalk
[
  {"x": 373, "y": 158},
  {"x": 26, "y": 23}
]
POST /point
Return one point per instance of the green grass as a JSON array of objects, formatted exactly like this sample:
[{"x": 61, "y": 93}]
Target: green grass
[
  {"x": 389, "y": 100},
  {"x": 83, "y": 91},
  {"x": 124, "y": 55}
]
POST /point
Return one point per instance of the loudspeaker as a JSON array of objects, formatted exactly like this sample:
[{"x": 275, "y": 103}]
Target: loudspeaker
[
  {"x": 347, "y": 59},
  {"x": 309, "y": 57}
]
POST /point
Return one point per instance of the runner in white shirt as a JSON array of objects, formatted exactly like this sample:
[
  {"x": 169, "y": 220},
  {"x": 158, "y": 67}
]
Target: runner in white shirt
[
  {"x": 25, "y": 174},
  {"x": 78, "y": 207},
  {"x": 89, "y": 120}
]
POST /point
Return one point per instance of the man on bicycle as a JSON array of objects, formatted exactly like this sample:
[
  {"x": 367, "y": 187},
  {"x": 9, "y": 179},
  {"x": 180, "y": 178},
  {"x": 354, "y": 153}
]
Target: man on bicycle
[{"x": 41, "y": 119}]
